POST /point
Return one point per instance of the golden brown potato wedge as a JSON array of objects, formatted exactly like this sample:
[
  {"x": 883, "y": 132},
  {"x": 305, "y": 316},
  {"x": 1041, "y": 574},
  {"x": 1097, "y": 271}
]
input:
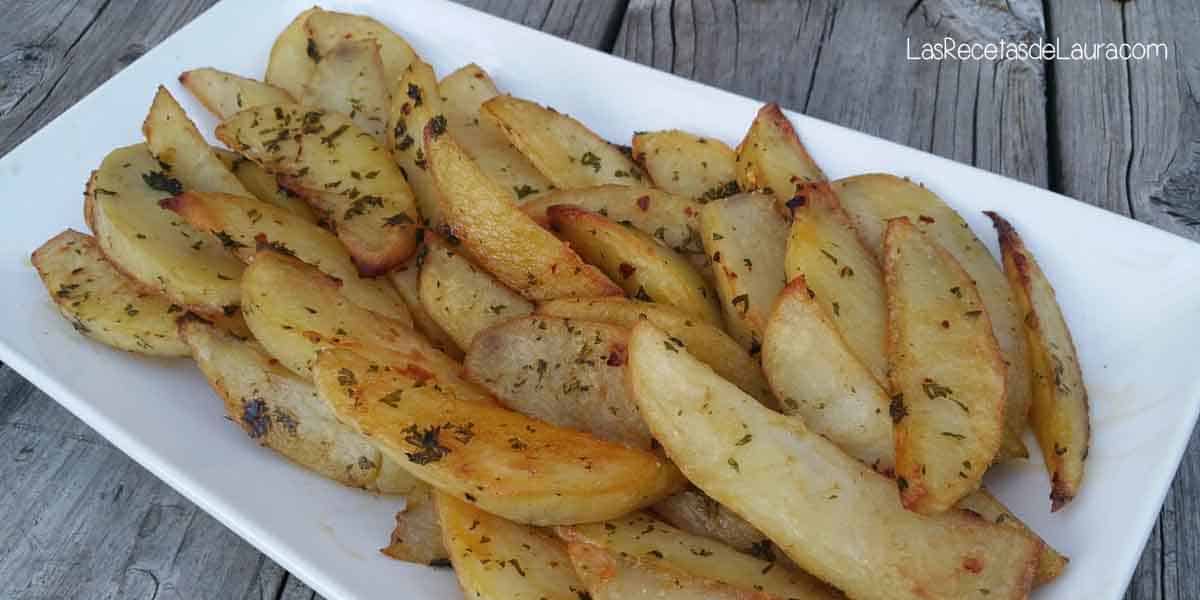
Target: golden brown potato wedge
[
  {"x": 771, "y": 157},
  {"x": 264, "y": 185},
  {"x": 1050, "y": 565},
  {"x": 844, "y": 522},
  {"x": 245, "y": 224},
  {"x": 407, "y": 280},
  {"x": 568, "y": 153},
  {"x": 225, "y": 94},
  {"x": 1059, "y": 416},
  {"x": 102, "y": 303},
  {"x": 461, "y": 298},
  {"x": 497, "y": 236},
  {"x": 327, "y": 29},
  {"x": 339, "y": 168},
  {"x": 416, "y": 102},
  {"x": 282, "y": 412},
  {"x": 350, "y": 79},
  {"x": 293, "y": 57},
  {"x": 645, "y": 269},
  {"x": 706, "y": 342},
  {"x": 946, "y": 372},
  {"x": 687, "y": 164},
  {"x": 174, "y": 140},
  {"x": 641, "y": 535},
  {"x": 417, "y": 536},
  {"x": 567, "y": 373},
  {"x": 463, "y": 92},
  {"x": 845, "y": 277},
  {"x": 816, "y": 376},
  {"x": 152, "y": 245},
  {"x": 870, "y": 200},
  {"x": 496, "y": 558},
  {"x": 745, "y": 237}
]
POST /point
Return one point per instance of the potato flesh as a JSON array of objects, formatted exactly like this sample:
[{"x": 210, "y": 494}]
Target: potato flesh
[
  {"x": 568, "y": 153},
  {"x": 612, "y": 576},
  {"x": 947, "y": 375},
  {"x": 844, "y": 522},
  {"x": 225, "y": 94},
  {"x": 264, "y": 186},
  {"x": 687, "y": 164},
  {"x": 417, "y": 536},
  {"x": 350, "y": 80},
  {"x": 870, "y": 200},
  {"x": 500, "y": 238},
  {"x": 415, "y": 102},
  {"x": 1059, "y": 415},
  {"x": 642, "y": 267},
  {"x": 1050, "y": 564},
  {"x": 772, "y": 159},
  {"x": 407, "y": 280},
  {"x": 327, "y": 29},
  {"x": 174, "y": 140},
  {"x": 290, "y": 64}
]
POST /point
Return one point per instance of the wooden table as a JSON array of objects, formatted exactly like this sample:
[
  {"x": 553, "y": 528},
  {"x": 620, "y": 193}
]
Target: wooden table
[{"x": 81, "y": 520}]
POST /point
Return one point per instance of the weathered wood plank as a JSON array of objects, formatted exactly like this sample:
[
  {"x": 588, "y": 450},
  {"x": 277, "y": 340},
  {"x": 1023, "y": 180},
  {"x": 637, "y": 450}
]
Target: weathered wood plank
[{"x": 589, "y": 22}]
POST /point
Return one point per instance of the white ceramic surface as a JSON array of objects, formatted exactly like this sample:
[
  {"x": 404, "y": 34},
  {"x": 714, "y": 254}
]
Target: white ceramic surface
[{"x": 1130, "y": 292}]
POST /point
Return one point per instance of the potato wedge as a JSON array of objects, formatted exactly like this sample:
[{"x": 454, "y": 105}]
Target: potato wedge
[
  {"x": 245, "y": 224},
  {"x": 609, "y": 575},
  {"x": 567, "y": 373},
  {"x": 686, "y": 164},
  {"x": 225, "y": 94},
  {"x": 497, "y": 236},
  {"x": 495, "y": 558},
  {"x": 771, "y": 157},
  {"x": 339, "y": 168},
  {"x": 845, "y": 277},
  {"x": 506, "y": 463},
  {"x": 946, "y": 372},
  {"x": 350, "y": 79},
  {"x": 282, "y": 412},
  {"x": 154, "y": 246},
  {"x": 1050, "y": 565},
  {"x": 844, "y": 522},
  {"x": 568, "y": 153},
  {"x": 174, "y": 140},
  {"x": 706, "y": 342},
  {"x": 645, "y": 269},
  {"x": 745, "y": 237},
  {"x": 870, "y": 200},
  {"x": 327, "y": 29},
  {"x": 407, "y": 280},
  {"x": 293, "y": 57},
  {"x": 416, "y": 102},
  {"x": 463, "y": 93},
  {"x": 816, "y": 377},
  {"x": 461, "y": 298},
  {"x": 641, "y": 535},
  {"x": 1059, "y": 416},
  {"x": 694, "y": 512},
  {"x": 102, "y": 303},
  {"x": 417, "y": 536},
  {"x": 264, "y": 185}
]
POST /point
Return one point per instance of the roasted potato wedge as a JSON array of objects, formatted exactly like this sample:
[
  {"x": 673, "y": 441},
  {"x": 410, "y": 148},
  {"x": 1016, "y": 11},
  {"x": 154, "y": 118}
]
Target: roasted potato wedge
[
  {"x": 870, "y": 200},
  {"x": 463, "y": 92},
  {"x": 771, "y": 157},
  {"x": 496, "y": 558},
  {"x": 641, "y": 535},
  {"x": 104, "y": 304},
  {"x": 844, "y": 522},
  {"x": 407, "y": 280},
  {"x": 416, "y": 102},
  {"x": 327, "y": 29},
  {"x": 417, "y": 536},
  {"x": 816, "y": 376},
  {"x": 339, "y": 168},
  {"x": 946, "y": 372},
  {"x": 568, "y": 153},
  {"x": 225, "y": 94},
  {"x": 844, "y": 276},
  {"x": 1050, "y": 564},
  {"x": 694, "y": 512},
  {"x": 489, "y": 455},
  {"x": 745, "y": 237},
  {"x": 245, "y": 224},
  {"x": 282, "y": 412},
  {"x": 567, "y": 373},
  {"x": 293, "y": 57},
  {"x": 609, "y": 575},
  {"x": 350, "y": 79},
  {"x": 154, "y": 246},
  {"x": 1059, "y": 416},
  {"x": 645, "y": 269},
  {"x": 265, "y": 186},
  {"x": 461, "y": 298},
  {"x": 497, "y": 236},
  {"x": 174, "y": 140},
  {"x": 706, "y": 342},
  {"x": 687, "y": 164}
]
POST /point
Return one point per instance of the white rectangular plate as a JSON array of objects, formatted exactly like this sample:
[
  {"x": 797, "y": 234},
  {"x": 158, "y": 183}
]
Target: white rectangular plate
[{"x": 1130, "y": 292}]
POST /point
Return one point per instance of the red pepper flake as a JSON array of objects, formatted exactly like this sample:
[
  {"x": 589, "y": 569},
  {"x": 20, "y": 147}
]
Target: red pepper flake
[
  {"x": 627, "y": 270},
  {"x": 616, "y": 356},
  {"x": 973, "y": 564},
  {"x": 644, "y": 202},
  {"x": 926, "y": 219}
]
